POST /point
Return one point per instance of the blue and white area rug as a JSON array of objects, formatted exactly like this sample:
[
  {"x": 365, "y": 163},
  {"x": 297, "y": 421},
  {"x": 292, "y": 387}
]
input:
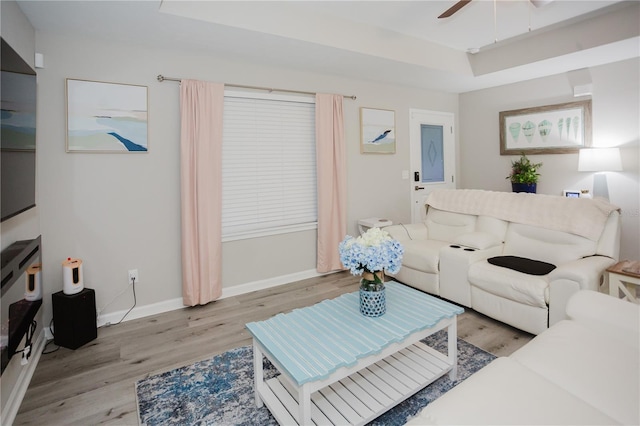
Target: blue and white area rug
[{"x": 219, "y": 391}]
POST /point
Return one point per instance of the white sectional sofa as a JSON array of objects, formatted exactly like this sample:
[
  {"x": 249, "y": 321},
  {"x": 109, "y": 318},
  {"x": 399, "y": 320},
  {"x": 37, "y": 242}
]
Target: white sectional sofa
[
  {"x": 452, "y": 253},
  {"x": 581, "y": 371}
]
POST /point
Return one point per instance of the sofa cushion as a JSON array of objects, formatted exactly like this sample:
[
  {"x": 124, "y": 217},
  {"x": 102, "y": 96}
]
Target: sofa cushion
[
  {"x": 507, "y": 393},
  {"x": 522, "y": 264},
  {"x": 492, "y": 225},
  {"x": 594, "y": 310},
  {"x": 478, "y": 240},
  {"x": 422, "y": 255},
  {"x": 547, "y": 245},
  {"x": 445, "y": 226},
  {"x": 591, "y": 365},
  {"x": 531, "y": 290}
]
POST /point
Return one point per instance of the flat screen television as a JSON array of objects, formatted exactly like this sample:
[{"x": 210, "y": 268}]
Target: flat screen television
[{"x": 17, "y": 134}]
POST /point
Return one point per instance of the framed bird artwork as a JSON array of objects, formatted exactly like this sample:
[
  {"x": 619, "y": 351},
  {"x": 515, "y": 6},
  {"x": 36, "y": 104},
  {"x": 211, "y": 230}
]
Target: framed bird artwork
[{"x": 377, "y": 131}]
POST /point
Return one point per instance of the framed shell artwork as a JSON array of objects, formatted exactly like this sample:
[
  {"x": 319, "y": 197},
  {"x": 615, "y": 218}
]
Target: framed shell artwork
[{"x": 552, "y": 129}]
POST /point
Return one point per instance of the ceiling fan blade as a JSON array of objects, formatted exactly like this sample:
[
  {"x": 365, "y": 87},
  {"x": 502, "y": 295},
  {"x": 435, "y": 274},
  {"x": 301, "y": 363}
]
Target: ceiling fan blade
[{"x": 453, "y": 9}]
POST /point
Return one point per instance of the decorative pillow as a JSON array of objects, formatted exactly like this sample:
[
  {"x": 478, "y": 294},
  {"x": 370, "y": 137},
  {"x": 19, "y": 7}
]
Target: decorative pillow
[
  {"x": 522, "y": 264},
  {"x": 477, "y": 240}
]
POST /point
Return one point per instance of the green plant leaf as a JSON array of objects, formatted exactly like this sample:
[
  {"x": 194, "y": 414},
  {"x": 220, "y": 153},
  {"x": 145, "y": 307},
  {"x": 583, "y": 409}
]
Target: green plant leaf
[{"x": 524, "y": 171}]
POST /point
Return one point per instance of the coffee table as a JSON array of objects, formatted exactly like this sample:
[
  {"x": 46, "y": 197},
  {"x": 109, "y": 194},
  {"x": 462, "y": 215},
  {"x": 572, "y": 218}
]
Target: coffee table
[{"x": 339, "y": 367}]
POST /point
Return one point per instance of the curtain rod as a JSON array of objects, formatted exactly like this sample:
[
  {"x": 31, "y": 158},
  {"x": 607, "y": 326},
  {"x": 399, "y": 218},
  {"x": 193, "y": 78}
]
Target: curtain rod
[{"x": 162, "y": 78}]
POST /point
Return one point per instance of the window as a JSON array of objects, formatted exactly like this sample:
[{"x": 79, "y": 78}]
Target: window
[
  {"x": 269, "y": 165},
  {"x": 432, "y": 146}
]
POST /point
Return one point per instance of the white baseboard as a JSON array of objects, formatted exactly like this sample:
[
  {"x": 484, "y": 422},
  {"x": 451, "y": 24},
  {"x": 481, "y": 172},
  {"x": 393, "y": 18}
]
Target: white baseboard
[
  {"x": 268, "y": 283},
  {"x": 140, "y": 312},
  {"x": 12, "y": 406},
  {"x": 173, "y": 304}
]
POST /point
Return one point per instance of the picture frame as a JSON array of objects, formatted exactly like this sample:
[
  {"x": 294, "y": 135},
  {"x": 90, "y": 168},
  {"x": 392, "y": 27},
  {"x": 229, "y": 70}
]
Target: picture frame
[
  {"x": 552, "y": 129},
  {"x": 106, "y": 117},
  {"x": 377, "y": 131}
]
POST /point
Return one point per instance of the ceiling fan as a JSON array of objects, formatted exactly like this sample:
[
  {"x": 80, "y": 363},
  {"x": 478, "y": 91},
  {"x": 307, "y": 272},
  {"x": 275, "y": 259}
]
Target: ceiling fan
[{"x": 460, "y": 4}]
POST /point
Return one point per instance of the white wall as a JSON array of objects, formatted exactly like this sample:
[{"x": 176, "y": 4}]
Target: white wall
[
  {"x": 616, "y": 108},
  {"x": 122, "y": 211}
]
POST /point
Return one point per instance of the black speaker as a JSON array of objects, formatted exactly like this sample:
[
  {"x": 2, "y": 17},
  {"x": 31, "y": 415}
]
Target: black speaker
[{"x": 74, "y": 318}]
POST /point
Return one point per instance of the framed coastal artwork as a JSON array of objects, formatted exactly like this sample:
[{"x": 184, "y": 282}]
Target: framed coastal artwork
[
  {"x": 106, "y": 117},
  {"x": 552, "y": 129},
  {"x": 377, "y": 131}
]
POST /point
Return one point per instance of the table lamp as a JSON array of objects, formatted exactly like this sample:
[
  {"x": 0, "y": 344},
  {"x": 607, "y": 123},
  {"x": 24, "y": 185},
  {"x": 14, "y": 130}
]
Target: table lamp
[{"x": 600, "y": 160}]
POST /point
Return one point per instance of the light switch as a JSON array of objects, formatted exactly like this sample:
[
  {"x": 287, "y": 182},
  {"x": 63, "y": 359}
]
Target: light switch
[{"x": 405, "y": 174}]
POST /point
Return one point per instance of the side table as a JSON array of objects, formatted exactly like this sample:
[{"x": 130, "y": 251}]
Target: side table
[
  {"x": 623, "y": 276},
  {"x": 371, "y": 222}
]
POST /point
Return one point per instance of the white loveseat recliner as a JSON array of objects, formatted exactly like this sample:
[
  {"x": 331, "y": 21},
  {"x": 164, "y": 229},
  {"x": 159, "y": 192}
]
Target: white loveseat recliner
[
  {"x": 581, "y": 371},
  {"x": 452, "y": 253}
]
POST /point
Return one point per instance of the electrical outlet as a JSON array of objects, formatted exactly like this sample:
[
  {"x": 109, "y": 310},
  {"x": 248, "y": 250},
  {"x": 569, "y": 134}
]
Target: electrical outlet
[{"x": 133, "y": 275}]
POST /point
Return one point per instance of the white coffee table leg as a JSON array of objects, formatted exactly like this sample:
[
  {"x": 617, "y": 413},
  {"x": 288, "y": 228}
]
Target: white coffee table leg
[
  {"x": 452, "y": 340},
  {"x": 258, "y": 375},
  {"x": 304, "y": 405}
]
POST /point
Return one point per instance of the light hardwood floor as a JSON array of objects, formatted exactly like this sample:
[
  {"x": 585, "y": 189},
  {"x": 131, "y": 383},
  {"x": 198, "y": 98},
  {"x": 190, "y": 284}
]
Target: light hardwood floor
[{"x": 95, "y": 384}]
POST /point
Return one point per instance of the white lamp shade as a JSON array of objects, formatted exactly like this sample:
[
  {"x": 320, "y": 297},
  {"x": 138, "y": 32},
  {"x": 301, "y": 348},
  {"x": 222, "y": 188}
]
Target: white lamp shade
[{"x": 599, "y": 160}]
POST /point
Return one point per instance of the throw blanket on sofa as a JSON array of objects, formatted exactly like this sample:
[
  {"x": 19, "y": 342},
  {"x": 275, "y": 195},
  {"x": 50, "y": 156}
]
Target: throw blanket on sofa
[{"x": 580, "y": 216}]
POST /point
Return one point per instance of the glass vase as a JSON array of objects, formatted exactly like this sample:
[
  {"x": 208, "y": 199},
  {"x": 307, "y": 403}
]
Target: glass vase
[{"x": 373, "y": 301}]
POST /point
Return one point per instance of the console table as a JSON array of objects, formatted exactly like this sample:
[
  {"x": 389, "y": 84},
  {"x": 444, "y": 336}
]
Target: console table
[
  {"x": 15, "y": 260},
  {"x": 339, "y": 367}
]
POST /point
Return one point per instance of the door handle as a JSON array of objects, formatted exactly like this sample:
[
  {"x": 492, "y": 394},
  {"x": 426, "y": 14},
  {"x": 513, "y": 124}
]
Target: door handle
[{"x": 419, "y": 187}]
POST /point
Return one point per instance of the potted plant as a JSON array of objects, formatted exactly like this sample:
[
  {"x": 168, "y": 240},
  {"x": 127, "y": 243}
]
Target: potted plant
[
  {"x": 524, "y": 175},
  {"x": 370, "y": 255}
]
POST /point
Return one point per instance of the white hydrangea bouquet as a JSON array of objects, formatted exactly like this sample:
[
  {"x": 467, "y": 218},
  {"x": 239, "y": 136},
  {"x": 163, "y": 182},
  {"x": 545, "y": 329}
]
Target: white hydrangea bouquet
[{"x": 370, "y": 255}]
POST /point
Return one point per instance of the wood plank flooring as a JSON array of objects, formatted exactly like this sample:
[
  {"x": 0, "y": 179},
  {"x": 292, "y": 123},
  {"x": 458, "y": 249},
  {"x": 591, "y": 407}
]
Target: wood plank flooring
[{"x": 95, "y": 384}]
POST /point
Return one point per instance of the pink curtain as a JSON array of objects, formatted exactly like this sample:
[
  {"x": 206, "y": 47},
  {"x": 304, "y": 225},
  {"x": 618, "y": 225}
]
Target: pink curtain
[
  {"x": 331, "y": 163},
  {"x": 201, "y": 106}
]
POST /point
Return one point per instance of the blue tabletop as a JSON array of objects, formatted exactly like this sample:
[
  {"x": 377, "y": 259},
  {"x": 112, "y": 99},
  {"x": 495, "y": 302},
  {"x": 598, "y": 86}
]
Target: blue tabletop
[{"x": 311, "y": 343}]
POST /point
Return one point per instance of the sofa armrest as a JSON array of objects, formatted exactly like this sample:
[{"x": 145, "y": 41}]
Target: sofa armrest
[
  {"x": 569, "y": 278},
  {"x": 586, "y": 272},
  {"x": 411, "y": 231},
  {"x": 606, "y": 314}
]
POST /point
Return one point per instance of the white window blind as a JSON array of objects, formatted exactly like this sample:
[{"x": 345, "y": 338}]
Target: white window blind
[{"x": 268, "y": 165}]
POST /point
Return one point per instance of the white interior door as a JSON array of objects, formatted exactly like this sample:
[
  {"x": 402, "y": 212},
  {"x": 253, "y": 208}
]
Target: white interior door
[{"x": 432, "y": 156}]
